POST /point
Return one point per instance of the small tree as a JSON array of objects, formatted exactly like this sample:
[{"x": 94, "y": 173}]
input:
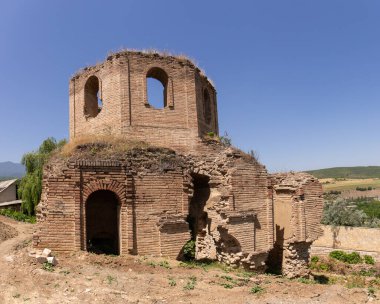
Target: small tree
[
  {"x": 343, "y": 213},
  {"x": 31, "y": 184}
]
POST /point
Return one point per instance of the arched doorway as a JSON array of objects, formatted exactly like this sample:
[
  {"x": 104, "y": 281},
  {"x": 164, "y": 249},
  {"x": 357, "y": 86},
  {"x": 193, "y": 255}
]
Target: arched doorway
[{"x": 102, "y": 222}]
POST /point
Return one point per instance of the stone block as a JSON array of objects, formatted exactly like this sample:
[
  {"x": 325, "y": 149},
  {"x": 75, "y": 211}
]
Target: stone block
[
  {"x": 52, "y": 260},
  {"x": 46, "y": 252}
]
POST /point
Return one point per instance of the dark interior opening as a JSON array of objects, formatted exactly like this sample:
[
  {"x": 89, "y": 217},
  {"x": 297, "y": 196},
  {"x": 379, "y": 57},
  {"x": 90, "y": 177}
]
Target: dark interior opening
[
  {"x": 197, "y": 217},
  {"x": 102, "y": 222},
  {"x": 276, "y": 254}
]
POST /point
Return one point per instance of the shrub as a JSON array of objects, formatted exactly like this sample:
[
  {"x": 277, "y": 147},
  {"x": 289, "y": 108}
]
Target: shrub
[
  {"x": 225, "y": 140},
  {"x": 48, "y": 267},
  {"x": 18, "y": 216},
  {"x": 353, "y": 258},
  {"x": 256, "y": 289},
  {"x": 314, "y": 259},
  {"x": 361, "y": 189},
  {"x": 190, "y": 285},
  {"x": 369, "y": 260},
  {"x": 350, "y": 258},
  {"x": 30, "y": 187},
  {"x": 343, "y": 213},
  {"x": 355, "y": 282},
  {"x": 324, "y": 267},
  {"x": 338, "y": 255},
  {"x": 189, "y": 250}
]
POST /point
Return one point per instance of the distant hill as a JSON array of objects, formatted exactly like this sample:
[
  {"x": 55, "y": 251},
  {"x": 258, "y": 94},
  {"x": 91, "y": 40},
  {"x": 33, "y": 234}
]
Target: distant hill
[
  {"x": 347, "y": 172},
  {"x": 11, "y": 170}
]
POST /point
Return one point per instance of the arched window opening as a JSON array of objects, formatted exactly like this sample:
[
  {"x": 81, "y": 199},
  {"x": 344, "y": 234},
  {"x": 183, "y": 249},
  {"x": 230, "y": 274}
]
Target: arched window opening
[
  {"x": 92, "y": 100},
  {"x": 157, "y": 83},
  {"x": 206, "y": 106}
]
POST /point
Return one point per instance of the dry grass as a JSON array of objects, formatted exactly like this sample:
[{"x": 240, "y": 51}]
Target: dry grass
[
  {"x": 106, "y": 143},
  {"x": 151, "y": 51},
  {"x": 330, "y": 184}
]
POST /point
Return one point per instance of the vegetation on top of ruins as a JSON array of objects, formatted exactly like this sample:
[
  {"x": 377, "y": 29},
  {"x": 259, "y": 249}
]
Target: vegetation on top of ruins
[
  {"x": 225, "y": 140},
  {"x": 30, "y": 187},
  {"x": 103, "y": 145},
  {"x": 183, "y": 58},
  {"x": 347, "y": 172}
]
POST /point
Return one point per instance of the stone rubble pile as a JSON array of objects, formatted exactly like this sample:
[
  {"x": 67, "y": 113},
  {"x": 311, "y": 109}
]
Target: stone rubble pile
[{"x": 43, "y": 256}]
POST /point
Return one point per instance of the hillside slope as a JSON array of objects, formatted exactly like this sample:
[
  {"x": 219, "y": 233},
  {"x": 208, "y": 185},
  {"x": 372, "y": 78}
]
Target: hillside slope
[
  {"x": 347, "y": 172},
  {"x": 10, "y": 170}
]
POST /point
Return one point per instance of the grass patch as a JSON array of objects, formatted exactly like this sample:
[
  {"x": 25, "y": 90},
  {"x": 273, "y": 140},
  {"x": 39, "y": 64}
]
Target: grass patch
[
  {"x": 257, "y": 289},
  {"x": 306, "y": 281},
  {"x": 48, "y": 267},
  {"x": 172, "y": 282},
  {"x": 18, "y": 216},
  {"x": 350, "y": 258},
  {"x": 164, "y": 264},
  {"x": 205, "y": 265},
  {"x": 110, "y": 279},
  {"x": 350, "y": 184},
  {"x": 355, "y": 282},
  {"x": 190, "y": 285}
]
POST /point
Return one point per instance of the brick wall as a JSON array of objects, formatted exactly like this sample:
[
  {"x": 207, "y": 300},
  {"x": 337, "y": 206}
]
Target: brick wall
[
  {"x": 348, "y": 239},
  {"x": 123, "y": 90}
]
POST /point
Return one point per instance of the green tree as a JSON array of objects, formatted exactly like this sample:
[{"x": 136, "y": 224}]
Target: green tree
[
  {"x": 342, "y": 213},
  {"x": 31, "y": 184}
]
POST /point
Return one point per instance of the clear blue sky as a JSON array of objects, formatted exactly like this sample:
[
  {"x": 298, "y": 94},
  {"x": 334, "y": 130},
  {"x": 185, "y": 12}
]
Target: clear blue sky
[{"x": 298, "y": 81}]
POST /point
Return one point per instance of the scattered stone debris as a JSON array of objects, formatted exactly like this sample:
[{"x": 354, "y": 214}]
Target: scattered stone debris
[{"x": 43, "y": 256}]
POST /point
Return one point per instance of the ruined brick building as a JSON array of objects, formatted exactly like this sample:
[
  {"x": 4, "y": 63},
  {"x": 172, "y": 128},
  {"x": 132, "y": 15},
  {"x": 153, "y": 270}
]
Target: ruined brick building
[{"x": 116, "y": 195}]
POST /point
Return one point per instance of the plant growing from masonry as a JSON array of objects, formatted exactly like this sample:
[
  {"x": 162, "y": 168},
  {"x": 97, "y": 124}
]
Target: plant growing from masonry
[{"x": 31, "y": 184}]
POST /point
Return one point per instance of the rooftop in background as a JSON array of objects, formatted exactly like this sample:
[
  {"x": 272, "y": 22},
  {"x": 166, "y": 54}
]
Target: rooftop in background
[{"x": 5, "y": 184}]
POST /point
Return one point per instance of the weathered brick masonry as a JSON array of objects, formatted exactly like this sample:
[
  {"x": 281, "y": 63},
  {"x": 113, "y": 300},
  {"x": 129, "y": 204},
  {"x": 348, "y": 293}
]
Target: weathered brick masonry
[{"x": 152, "y": 199}]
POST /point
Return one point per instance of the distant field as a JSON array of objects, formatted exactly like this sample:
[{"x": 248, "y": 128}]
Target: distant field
[
  {"x": 347, "y": 172},
  {"x": 330, "y": 184}
]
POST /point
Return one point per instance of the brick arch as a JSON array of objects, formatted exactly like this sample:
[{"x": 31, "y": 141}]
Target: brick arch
[
  {"x": 120, "y": 190},
  {"x": 96, "y": 185},
  {"x": 162, "y": 74}
]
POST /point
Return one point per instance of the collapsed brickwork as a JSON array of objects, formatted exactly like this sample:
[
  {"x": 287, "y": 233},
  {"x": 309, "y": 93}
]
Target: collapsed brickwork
[
  {"x": 128, "y": 197},
  {"x": 297, "y": 204}
]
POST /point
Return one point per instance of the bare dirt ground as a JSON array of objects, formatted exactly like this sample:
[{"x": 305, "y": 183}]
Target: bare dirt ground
[{"x": 90, "y": 278}]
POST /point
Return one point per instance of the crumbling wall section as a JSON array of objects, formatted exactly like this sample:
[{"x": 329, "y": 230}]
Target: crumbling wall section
[
  {"x": 239, "y": 212},
  {"x": 298, "y": 205}
]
